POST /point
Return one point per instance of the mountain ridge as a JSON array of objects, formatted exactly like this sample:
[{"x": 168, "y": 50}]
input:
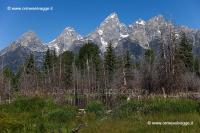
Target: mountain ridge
[{"x": 138, "y": 35}]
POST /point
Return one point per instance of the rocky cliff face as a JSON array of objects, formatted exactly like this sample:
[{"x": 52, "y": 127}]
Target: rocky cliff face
[
  {"x": 15, "y": 54},
  {"x": 111, "y": 30},
  {"x": 65, "y": 40},
  {"x": 135, "y": 37}
]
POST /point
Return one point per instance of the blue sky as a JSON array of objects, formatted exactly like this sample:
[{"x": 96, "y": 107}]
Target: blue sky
[{"x": 85, "y": 15}]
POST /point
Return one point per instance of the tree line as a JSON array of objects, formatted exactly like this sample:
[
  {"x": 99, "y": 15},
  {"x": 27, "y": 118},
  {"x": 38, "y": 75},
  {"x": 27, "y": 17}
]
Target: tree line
[{"x": 89, "y": 74}]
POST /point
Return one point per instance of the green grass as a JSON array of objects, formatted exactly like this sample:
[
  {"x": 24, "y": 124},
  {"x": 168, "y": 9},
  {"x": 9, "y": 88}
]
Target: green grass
[
  {"x": 139, "y": 124},
  {"x": 96, "y": 107},
  {"x": 37, "y": 115},
  {"x": 30, "y": 115},
  {"x": 158, "y": 105}
]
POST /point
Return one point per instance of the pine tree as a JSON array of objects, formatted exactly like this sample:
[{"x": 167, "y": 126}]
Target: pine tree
[
  {"x": 89, "y": 53},
  {"x": 68, "y": 58},
  {"x": 9, "y": 78},
  {"x": 149, "y": 56},
  {"x": 127, "y": 60},
  {"x": 89, "y": 63},
  {"x": 30, "y": 65},
  {"x": 110, "y": 62},
  {"x": 148, "y": 70},
  {"x": 196, "y": 66},
  {"x": 185, "y": 53},
  {"x": 48, "y": 61},
  {"x": 127, "y": 67}
]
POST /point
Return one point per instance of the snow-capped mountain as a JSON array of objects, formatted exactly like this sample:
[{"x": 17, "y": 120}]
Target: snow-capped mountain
[
  {"x": 19, "y": 50},
  {"x": 111, "y": 30},
  {"x": 28, "y": 40},
  {"x": 65, "y": 40},
  {"x": 144, "y": 32},
  {"x": 138, "y": 36}
]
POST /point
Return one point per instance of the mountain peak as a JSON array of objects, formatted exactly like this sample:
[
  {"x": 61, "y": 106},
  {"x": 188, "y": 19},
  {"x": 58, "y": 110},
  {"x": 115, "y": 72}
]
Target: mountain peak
[
  {"x": 70, "y": 32},
  {"x": 110, "y": 20},
  {"x": 158, "y": 18},
  {"x": 65, "y": 40},
  {"x": 29, "y": 38},
  {"x": 110, "y": 30},
  {"x": 29, "y": 33},
  {"x": 112, "y": 16},
  {"x": 69, "y": 29}
]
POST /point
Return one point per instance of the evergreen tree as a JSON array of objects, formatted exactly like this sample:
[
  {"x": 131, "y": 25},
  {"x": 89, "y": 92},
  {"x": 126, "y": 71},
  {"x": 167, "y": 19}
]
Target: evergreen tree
[
  {"x": 127, "y": 68},
  {"x": 127, "y": 60},
  {"x": 48, "y": 60},
  {"x": 11, "y": 80},
  {"x": 7, "y": 73},
  {"x": 30, "y": 65},
  {"x": 185, "y": 53},
  {"x": 196, "y": 66},
  {"x": 54, "y": 58},
  {"x": 68, "y": 58},
  {"x": 149, "y": 56},
  {"x": 89, "y": 52},
  {"x": 110, "y": 61},
  {"x": 148, "y": 84}
]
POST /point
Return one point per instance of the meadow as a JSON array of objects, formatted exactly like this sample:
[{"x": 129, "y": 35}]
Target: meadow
[{"x": 39, "y": 115}]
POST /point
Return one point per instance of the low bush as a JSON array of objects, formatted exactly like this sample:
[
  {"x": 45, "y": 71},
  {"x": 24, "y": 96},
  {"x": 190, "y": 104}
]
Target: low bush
[
  {"x": 62, "y": 115},
  {"x": 27, "y": 104},
  {"x": 96, "y": 107}
]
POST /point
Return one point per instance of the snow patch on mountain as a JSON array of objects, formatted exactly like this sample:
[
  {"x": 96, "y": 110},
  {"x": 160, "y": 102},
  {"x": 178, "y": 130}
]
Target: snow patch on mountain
[
  {"x": 100, "y": 32},
  {"x": 124, "y": 36},
  {"x": 111, "y": 30},
  {"x": 65, "y": 40},
  {"x": 104, "y": 44},
  {"x": 141, "y": 22}
]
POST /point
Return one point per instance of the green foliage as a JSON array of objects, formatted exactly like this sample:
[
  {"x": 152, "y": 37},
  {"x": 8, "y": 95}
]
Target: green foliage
[
  {"x": 125, "y": 110},
  {"x": 110, "y": 61},
  {"x": 152, "y": 106},
  {"x": 67, "y": 60},
  {"x": 149, "y": 56},
  {"x": 49, "y": 60},
  {"x": 89, "y": 56},
  {"x": 11, "y": 77},
  {"x": 171, "y": 106},
  {"x": 127, "y": 60},
  {"x": 131, "y": 117},
  {"x": 28, "y": 104},
  {"x": 40, "y": 128},
  {"x": 185, "y": 53},
  {"x": 34, "y": 115},
  {"x": 8, "y": 73},
  {"x": 62, "y": 115},
  {"x": 30, "y": 66},
  {"x": 196, "y": 65},
  {"x": 96, "y": 107}
]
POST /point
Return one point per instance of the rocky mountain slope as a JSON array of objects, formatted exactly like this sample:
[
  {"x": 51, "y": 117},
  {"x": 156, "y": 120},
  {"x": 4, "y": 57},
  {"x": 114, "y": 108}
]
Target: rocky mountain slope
[{"x": 136, "y": 37}]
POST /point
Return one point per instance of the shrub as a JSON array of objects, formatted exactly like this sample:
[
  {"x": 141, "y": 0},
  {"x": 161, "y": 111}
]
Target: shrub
[
  {"x": 95, "y": 107},
  {"x": 62, "y": 115},
  {"x": 28, "y": 104},
  {"x": 10, "y": 124},
  {"x": 40, "y": 128}
]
